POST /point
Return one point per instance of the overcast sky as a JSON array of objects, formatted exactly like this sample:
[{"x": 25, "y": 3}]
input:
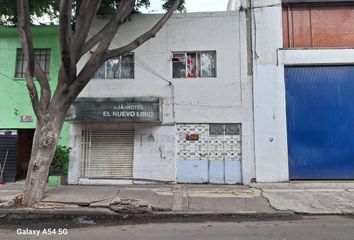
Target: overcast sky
[{"x": 193, "y": 5}]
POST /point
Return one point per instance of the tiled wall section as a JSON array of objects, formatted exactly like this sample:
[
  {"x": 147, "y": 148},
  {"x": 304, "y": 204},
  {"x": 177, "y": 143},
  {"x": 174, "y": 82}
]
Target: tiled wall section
[
  {"x": 207, "y": 147},
  {"x": 192, "y": 150}
]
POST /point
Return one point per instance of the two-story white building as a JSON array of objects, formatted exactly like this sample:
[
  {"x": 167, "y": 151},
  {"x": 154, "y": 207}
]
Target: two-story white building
[{"x": 177, "y": 109}]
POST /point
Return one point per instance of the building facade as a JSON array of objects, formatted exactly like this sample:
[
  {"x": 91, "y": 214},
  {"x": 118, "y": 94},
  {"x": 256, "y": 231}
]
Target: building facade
[
  {"x": 177, "y": 109},
  {"x": 17, "y": 120},
  {"x": 262, "y": 93},
  {"x": 303, "y": 82}
]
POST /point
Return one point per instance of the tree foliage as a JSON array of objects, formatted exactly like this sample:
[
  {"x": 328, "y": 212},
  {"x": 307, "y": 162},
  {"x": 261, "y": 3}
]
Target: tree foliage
[
  {"x": 60, "y": 162},
  {"x": 50, "y": 9},
  {"x": 38, "y": 8}
]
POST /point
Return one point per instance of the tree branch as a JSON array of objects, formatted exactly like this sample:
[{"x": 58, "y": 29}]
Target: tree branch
[
  {"x": 34, "y": 97},
  {"x": 45, "y": 87},
  {"x": 144, "y": 37},
  {"x": 69, "y": 66},
  {"x": 102, "y": 53},
  {"x": 27, "y": 46},
  {"x": 124, "y": 11},
  {"x": 87, "y": 12}
]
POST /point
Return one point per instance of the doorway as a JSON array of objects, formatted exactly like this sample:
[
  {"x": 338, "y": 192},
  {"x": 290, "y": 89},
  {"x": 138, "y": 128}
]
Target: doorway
[{"x": 24, "y": 149}]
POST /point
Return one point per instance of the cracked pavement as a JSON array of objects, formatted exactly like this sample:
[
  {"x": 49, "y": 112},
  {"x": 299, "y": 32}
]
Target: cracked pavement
[{"x": 297, "y": 197}]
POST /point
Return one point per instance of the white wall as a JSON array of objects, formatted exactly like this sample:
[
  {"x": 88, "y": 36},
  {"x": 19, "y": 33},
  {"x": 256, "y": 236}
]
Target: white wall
[
  {"x": 269, "y": 93},
  {"x": 75, "y": 153},
  {"x": 154, "y": 153},
  {"x": 196, "y": 100},
  {"x": 293, "y": 57},
  {"x": 233, "y": 5},
  {"x": 224, "y": 99}
]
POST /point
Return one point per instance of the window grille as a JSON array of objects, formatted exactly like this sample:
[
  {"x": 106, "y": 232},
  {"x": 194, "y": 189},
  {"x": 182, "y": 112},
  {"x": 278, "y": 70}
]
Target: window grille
[
  {"x": 224, "y": 129},
  {"x": 42, "y": 57}
]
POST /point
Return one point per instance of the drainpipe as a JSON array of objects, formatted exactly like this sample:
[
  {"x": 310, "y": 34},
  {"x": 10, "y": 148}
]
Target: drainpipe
[{"x": 251, "y": 35}]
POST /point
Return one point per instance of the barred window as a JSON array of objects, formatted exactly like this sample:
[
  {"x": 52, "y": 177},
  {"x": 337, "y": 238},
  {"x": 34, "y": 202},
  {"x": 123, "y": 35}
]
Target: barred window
[
  {"x": 216, "y": 129},
  {"x": 117, "y": 68},
  {"x": 225, "y": 129},
  {"x": 42, "y": 56},
  {"x": 194, "y": 64}
]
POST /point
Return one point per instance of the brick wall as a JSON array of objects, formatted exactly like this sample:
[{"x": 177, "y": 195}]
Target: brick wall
[{"x": 318, "y": 26}]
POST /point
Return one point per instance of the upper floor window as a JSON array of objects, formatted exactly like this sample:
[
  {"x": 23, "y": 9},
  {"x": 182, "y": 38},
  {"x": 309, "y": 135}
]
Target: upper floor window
[
  {"x": 42, "y": 56},
  {"x": 194, "y": 64},
  {"x": 117, "y": 68}
]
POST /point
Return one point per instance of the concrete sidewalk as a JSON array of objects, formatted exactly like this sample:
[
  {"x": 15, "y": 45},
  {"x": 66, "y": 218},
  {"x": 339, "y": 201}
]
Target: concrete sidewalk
[
  {"x": 179, "y": 199},
  {"x": 258, "y": 199},
  {"x": 10, "y": 190},
  {"x": 325, "y": 197}
]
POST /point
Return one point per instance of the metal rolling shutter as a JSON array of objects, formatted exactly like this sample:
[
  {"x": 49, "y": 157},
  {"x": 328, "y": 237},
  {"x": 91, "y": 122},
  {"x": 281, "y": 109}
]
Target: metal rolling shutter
[
  {"x": 9, "y": 143},
  {"x": 107, "y": 153}
]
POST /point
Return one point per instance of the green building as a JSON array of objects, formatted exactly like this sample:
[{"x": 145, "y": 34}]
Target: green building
[{"x": 17, "y": 119}]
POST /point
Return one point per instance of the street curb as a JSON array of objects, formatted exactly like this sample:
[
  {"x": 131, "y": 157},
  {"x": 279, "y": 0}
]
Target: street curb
[
  {"x": 104, "y": 213},
  {"x": 240, "y": 213},
  {"x": 222, "y": 216},
  {"x": 57, "y": 212},
  {"x": 23, "y": 214}
]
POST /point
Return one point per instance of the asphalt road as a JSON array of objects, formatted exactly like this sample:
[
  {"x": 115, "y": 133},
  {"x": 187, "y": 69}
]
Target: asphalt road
[{"x": 306, "y": 228}]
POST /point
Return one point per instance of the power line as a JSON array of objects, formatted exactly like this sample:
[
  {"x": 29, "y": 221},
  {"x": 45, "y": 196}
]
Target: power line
[
  {"x": 17, "y": 104},
  {"x": 144, "y": 65},
  {"x": 12, "y": 80},
  {"x": 139, "y": 61}
]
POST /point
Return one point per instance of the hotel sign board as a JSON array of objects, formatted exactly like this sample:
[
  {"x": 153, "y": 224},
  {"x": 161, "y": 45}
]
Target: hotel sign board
[{"x": 115, "y": 110}]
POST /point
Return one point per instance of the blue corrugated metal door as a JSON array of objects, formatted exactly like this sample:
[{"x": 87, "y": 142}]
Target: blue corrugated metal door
[{"x": 320, "y": 122}]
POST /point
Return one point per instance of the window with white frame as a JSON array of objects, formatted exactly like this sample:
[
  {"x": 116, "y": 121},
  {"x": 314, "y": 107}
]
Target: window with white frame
[
  {"x": 194, "y": 64},
  {"x": 42, "y": 56},
  {"x": 117, "y": 68}
]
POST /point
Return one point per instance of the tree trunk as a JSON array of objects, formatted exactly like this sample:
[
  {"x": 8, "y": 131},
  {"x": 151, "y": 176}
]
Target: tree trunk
[{"x": 43, "y": 149}]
